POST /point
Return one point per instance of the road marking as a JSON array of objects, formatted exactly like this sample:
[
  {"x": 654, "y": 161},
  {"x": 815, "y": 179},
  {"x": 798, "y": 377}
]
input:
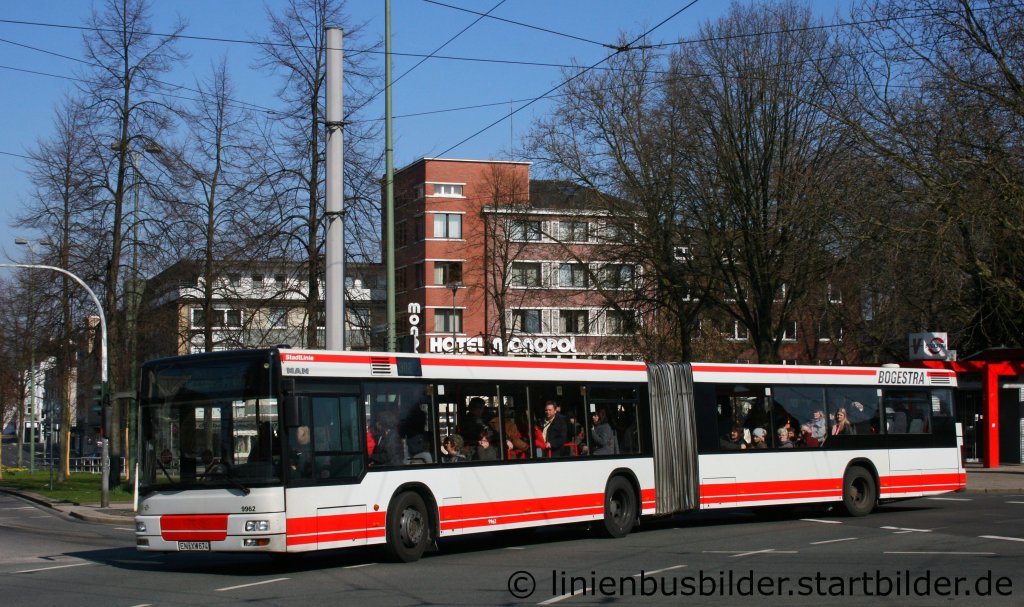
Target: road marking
[
  {"x": 54, "y": 567},
  {"x": 842, "y": 539},
  {"x": 947, "y": 553},
  {"x": 280, "y": 579},
  {"x": 1001, "y": 537},
  {"x": 19, "y": 508},
  {"x": 907, "y": 529},
  {"x": 358, "y": 566},
  {"x": 950, "y": 499},
  {"x": 1015, "y": 502},
  {"x": 515, "y": 548},
  {"x": 124, "y": 529},
  {"x": 818, "y": 520},
  {"x": 142, "y": 605},
  {"x": 656, "y": 571}
]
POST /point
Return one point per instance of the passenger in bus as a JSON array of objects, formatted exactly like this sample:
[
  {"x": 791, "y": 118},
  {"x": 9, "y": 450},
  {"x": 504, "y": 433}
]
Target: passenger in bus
[
  {"x": 784, "y": 442},
  {"x": 388, "y": 448},
  {"x": 420, "y": 451},
  {"x": 554, "y": 430},
  {"x": 451, "y": 449},
  {"x": 818, "y": 426},
  {"x": 515, "y": 444},
  {"x": 734, "y": 441},
  {"x": 601, "y": 434},
  {"x": 759, "y": 438},
  {"x": 474, "y": 422},
  {"x": 806, "y": 438},
  {"x": 485, "y": 450},
  {"x": 842, "y": 424},
  {"x": 301, "y": 459}
]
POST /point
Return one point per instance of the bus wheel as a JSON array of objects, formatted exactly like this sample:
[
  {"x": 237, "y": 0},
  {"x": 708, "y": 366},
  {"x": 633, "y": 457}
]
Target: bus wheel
[
  {"x": 859, "y": 492},
  {"x": 408, "y": 528},
  {"x": 620, "y": 508}
]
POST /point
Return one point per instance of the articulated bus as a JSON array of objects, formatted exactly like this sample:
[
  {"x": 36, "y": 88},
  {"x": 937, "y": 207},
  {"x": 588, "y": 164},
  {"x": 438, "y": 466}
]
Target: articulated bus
[{"x": 283, "y": 450}]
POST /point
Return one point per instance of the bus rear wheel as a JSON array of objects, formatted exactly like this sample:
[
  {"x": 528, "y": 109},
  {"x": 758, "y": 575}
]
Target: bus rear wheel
[
  {"x": 620, "y": 508},
  {"x": 859, "y": 492},
  {"x": 408, "y": 528}
]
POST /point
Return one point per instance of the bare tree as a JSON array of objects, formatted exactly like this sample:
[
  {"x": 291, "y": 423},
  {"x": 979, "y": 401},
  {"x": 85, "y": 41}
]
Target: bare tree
[
  {"x": 64, "y": 177},
  {"x": 124, "y": 93},
  {"x": 296, "y": 49},
  {"x": 943, "y": 105}
]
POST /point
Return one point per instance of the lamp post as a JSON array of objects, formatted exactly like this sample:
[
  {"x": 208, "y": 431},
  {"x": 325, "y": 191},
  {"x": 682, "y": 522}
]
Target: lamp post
[
  {"x": 454, "y": 286},
  {"x": 32, "y": 352}
]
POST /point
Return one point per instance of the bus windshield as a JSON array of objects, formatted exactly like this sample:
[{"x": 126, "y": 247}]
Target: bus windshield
[{"x": 209, "y": 423}]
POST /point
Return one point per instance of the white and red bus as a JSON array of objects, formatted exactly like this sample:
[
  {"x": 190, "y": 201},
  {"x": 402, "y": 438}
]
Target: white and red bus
[{"x": 283, "y": 450}]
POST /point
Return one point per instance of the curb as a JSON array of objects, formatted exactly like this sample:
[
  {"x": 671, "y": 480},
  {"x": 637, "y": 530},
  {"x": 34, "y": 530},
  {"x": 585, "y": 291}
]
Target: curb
[{"x": 71, "y": 510}]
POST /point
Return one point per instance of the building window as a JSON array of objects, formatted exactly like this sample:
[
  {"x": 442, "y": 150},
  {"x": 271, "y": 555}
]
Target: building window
[
  {"x": 447, "y": 321},
  {"x": 830, "y": 329},
  {"x": 257, "y": 280},
  {"x": 235, "y": 280},
  {"x": 617, "y": 276},
  {"x": 573, "y": 231},
  {"x": 574, "y": 321},
  {"x": 573, "y": 275},
  {"x": 447, "y": 225},
  {"x": 420, "y": 275},
  {"x": 525, "y": 275},
  {"x": 278, "y": 318},
  {"x": 279, "y": 279},
  {"x": 421, "y": 230},
  {"x": 447, "y": 272},
  {"x": 231, "y": 319},
  {"x": 418, "y": 192},
  {"x": 835, "y": 295},
  {"x": 450, "y": 190},
  {"x": 789, "y": 331},
  {"x": 621, "y": 322},
  {"x": 739, "y": 331},
  {"x": 521, "y": 229},
  {"x": 526, "y": 321}
]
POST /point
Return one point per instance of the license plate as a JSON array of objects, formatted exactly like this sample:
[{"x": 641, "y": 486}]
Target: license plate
[{"x": 193, "y": 546}]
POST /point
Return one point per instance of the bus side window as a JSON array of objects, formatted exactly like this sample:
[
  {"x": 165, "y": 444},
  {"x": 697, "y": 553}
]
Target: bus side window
[{"x": 907, "y": 411}]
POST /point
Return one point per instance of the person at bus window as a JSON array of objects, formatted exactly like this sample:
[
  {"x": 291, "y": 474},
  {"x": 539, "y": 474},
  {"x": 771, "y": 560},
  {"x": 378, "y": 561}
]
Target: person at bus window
[
  {"x": 474, "y": 422},
  {"x": 451, "y": 449},
  {"x": 485, "y": 450},
  {"x": 806, "y": 438},
  {"x": 301, "y": 460},
  {"x": 784, "y": 442},
  {"x": 388, "y": 449},
  {"x": 555, "y": 430},
  {"x": 759, "y": 438},
  {"x": 540, "y": 450},
  {"x": 842, "y": 424},
  {"x": 734, "y": 441},
  {"x": 818, "y": 426},
  {"x": 370, "y": 441},
  {"x": 515, "y": 444},
  {"x": 419, "y": 449},
  {"x": 602, "y": 436}
]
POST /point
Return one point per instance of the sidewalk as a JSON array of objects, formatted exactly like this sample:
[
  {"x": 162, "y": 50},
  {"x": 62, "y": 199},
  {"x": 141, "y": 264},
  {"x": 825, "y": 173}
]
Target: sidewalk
[
  {"x": 1008, "y": 478},
  {"x": 119, "y": 513}
]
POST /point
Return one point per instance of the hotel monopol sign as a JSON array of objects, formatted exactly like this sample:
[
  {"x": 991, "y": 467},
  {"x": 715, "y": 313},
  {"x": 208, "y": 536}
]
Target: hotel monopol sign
[
  {"x": 930, "y": 346},
  {"x": 478, "y": 345}
]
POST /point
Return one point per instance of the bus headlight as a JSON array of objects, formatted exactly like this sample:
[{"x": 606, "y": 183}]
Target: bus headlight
[
  {"x": 257, "y": 526},
  {"x": 140, "y": 527}
]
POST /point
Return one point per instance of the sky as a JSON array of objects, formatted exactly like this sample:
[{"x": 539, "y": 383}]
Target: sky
[{"x": 476, "y": 71}]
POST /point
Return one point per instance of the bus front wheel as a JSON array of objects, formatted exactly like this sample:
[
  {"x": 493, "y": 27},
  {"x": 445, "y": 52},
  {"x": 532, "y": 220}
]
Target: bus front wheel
[
  {"x": 620, "y": 508},
  {"x": 408, "y": 528},
  {"x": 859, "y": 492}
]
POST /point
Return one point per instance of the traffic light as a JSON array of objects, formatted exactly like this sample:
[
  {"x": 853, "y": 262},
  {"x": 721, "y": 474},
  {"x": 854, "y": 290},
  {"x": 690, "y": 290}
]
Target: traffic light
[{"x": 99, "y": 397}]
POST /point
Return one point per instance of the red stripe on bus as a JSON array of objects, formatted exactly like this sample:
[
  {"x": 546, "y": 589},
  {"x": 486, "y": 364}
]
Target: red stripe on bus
[
  {"x": 726, "y": 493},
  {"x": 782, "y": 370},
  {"x": 762, "y": 488},
  {"x": 521, "y": 507},
  {"x": 292, "y": 357},
  {"x": 513, "y": 363}
]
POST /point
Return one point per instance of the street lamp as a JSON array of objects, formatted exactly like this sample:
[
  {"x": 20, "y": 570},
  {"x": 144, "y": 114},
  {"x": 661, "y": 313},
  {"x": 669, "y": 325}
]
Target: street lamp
[
  {"x": 32, "y": 352},
  {"x": 454, "y": 286}
]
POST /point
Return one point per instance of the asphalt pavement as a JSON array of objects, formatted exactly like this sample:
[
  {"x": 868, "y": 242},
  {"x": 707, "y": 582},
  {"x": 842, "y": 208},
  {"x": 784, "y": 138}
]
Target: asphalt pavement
[{"x": 1008, "y": 478}]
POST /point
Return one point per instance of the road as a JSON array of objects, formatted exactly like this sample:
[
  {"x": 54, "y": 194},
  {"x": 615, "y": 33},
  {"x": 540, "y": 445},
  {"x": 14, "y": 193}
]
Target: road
[{"x": 48, "y": 560}]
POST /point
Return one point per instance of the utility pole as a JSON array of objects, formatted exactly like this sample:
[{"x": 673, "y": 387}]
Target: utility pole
[
  {"x": 389, "y": 185},
  {"x": 334, "y": 273}
]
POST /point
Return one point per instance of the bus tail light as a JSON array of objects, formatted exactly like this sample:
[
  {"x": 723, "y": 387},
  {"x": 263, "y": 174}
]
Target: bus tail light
[{"x": 251, "y": 542}]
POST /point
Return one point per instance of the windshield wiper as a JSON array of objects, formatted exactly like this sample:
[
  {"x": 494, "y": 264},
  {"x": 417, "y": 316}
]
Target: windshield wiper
[{"x": 230, "y": 478}]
